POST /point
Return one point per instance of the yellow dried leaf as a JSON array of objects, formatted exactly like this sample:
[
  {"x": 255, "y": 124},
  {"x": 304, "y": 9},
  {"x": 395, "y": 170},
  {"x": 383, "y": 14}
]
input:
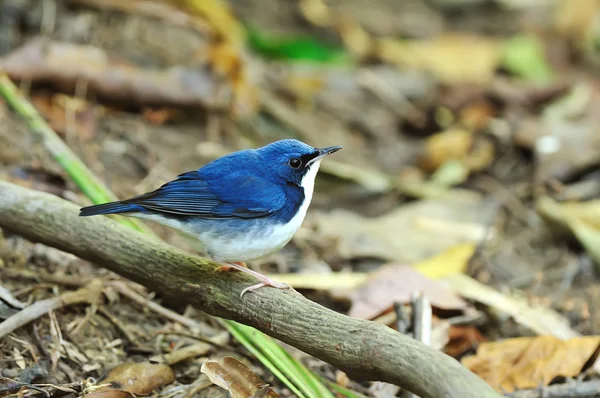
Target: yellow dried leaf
[
  {"x": 453, "y": 144},
  {"x": 576, "y": 19},
  {"x": 588, "y": 212},
  {"x": 581, "y": 218},
  {"x": 528, "y": 362},
  {"x": 451, "y": 261},
  {"x": 450, "y": 58},
  {"x": 139, "y": 378}
]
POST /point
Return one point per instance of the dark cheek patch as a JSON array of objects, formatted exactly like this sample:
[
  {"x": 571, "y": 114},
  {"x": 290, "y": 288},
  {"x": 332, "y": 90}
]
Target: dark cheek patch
[{"x": 308, "y": 157}]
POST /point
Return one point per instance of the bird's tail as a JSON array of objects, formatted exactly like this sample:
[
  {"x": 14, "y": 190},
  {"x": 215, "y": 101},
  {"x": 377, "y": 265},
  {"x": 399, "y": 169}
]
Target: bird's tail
[{"x": 109, "y": 208}]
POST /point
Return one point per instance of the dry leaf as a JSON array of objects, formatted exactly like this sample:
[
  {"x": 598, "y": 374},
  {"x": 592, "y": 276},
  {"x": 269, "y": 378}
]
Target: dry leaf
[
  {"x": 452, "y": 261},
  {"x": 397, "y": 236},
  {"x": 139, "y": 378},
  {"x": 396, "y": 284},
  {"x": 528, "y": 362},
  {"x": 445, "y": 56},
  {"x": 457, "y": 144},
  {"x": 565, "y": 139},
  {"x": 463, "y": 339},
  {"x": 110, "y": 393},
  {"x": 235, "y": 377},
  {"x": 67, "y": 114},
  {"x": 540, "y": 319},
  {"x": 581, "y": 218},
  {"x": 576, "y": 19}
]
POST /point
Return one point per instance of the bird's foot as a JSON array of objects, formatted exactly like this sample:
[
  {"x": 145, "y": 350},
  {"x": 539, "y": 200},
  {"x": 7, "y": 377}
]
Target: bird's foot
[{"x": 265, "y": 280}]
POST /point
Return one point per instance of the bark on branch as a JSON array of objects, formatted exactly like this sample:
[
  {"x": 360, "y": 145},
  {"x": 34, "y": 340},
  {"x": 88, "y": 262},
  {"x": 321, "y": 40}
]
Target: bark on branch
[{"x": 363, "y": 349}]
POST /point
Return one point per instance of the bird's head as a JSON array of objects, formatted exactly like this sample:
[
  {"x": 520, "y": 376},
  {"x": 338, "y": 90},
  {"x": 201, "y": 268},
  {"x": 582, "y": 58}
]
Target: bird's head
[{"x": 294, "y": 161}]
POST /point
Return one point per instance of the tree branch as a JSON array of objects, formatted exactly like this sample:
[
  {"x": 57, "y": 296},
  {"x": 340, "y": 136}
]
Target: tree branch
[{"x": 365, "y": 350}]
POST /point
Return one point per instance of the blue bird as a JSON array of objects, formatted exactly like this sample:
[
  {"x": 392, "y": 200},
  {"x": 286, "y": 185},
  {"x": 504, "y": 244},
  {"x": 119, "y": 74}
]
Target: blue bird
[{"x": 240, "y": 207}]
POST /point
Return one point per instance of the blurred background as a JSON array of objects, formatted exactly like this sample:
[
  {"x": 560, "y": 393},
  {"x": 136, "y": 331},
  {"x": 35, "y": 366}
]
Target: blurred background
[{"x": 469, "y": 171}]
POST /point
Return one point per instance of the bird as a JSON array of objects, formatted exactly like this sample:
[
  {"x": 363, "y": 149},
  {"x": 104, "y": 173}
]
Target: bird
[{"x": 240, "y": 207}]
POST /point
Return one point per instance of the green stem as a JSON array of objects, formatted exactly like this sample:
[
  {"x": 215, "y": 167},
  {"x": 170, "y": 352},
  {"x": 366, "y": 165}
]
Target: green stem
[{"x": 89, "y": 184}]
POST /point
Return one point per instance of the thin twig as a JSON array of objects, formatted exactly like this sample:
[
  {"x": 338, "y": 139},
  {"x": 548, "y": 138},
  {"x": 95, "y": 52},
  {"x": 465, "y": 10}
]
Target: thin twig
[
  {"x": 586, "y": 389},
  {"x": 86, "y": 294},
  {"x": 123, "y": 288}
]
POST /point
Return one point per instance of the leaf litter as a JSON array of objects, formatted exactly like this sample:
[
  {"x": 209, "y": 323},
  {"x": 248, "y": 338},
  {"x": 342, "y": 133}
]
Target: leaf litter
[{"x": 475, "y": 181}]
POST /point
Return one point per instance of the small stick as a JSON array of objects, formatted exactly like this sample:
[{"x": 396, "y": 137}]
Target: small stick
[
  {"x": 586, "y": 389},
  {"x": 124, "y": 289},
  {"x": 87, "y": 294},
  {"x": 421, "y": 314}
]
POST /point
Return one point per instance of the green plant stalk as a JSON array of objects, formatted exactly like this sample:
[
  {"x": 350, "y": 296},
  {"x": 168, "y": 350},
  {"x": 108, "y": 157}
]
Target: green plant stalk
[
  {"x": 302, "y": 376},
  {"x": 99, "y": 193},
  {"x": 245, "y": 339},
  {"x": 91, "y": 186},
  {"x": 277, "y": 354},
  {"x": 342, "y": 390}
]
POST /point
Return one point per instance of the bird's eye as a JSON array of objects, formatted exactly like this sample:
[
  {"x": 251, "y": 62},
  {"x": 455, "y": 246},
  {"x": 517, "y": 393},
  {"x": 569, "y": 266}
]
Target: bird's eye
[{"x": 295, "y": 163}]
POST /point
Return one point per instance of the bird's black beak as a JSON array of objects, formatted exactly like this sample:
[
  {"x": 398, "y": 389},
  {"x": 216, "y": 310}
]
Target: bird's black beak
[
  {"x": 328, "y": 151},
  {"x": 322, "y": 152}
]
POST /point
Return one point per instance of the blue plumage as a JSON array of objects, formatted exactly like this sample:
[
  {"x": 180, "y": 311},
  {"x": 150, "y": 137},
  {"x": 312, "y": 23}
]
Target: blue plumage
[{"x": 241, "y": 206}]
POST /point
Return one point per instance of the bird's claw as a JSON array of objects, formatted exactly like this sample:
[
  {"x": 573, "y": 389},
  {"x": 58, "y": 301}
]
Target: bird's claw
[
  {"x": 265, "y": 281},
  {"x": 270, "y": 282}
]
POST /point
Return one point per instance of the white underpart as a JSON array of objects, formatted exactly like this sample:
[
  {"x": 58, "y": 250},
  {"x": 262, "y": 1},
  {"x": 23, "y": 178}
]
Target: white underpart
[{"x": 256, "y": 242}]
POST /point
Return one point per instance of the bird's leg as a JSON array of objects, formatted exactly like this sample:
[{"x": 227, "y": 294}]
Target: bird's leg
[
  {"x": 227, "y": 266},
  {"x": 265, "y": 280}
]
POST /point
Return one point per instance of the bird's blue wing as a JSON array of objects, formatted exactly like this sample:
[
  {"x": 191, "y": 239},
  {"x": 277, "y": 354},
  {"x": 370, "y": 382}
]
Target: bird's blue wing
[{"x": 240, "y": 196}]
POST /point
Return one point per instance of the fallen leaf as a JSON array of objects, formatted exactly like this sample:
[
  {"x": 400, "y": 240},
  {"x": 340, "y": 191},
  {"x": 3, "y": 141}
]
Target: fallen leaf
[
  {"x": 463, "y": 339},
  {"x": 576, "y": 20},
  {"x": 477, "y": 115},
  {"x": 110, "y": 393},
  {"x": 538, "y": 318},
  {"x": 159, "y": 115},
  {"x": 524, "y": 55},
  {"x": 581, "y": 218},
  {"x": 237, "y": 378},
  {"x": 445, "y": 56},
  {"x": 528, "y": 362},
  {"x": 401, "y": 235},
  {"x": 475, "y": 152},
  {"x": 66, "y": 114},
  {"x": 396, "y": 284},
  {"x": 12, "y": 387},
  {"x": 565, "y": 140},
  {"x": 139, "y": 378},
  {"x": 452, "y": 261}
]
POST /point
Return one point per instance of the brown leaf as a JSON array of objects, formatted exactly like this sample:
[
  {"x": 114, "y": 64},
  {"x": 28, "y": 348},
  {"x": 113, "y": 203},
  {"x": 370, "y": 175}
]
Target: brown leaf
[
  {"x": 65, "y": 114},
  {"x": 235, "y": 377},
  {"x": 463, "y": 339},
  {"x": 110, "y": 393},
  {"x": 139, "y": 378},
  {"x": 475, "y": 152},
  {"x": 528, "y": 362},
  {"x": 159, "y": 115},
  {"x": 396, "y": 284},
  {"x": 11, "y": 387}
]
